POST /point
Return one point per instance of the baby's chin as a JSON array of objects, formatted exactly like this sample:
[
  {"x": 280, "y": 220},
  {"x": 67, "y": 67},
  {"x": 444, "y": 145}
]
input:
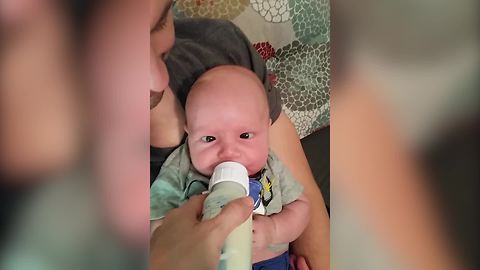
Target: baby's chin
[
  {"x": 253, "y": 172},
  {"x": 254, "y": 168},
  {"x": 205, "y": 172}
]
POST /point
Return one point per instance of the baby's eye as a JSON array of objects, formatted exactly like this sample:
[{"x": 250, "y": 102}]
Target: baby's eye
[
  {"x": 246, "y": 135},
  {"x": 208, "y": 139}
]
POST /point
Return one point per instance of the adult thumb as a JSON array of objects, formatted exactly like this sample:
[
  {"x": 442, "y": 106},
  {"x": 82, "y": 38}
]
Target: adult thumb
[{"x": 232, "y": 215}]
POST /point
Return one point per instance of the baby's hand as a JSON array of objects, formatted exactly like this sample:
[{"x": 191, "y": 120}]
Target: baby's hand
[{"x": 263, "y": 231}]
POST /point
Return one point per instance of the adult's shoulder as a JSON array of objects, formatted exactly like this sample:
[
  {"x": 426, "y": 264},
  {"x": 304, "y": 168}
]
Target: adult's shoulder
[{"x": 206, "y": 29}]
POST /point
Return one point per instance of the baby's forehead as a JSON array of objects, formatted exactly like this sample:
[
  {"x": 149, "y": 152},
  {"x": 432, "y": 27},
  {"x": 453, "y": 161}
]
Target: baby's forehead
[
  {"x": 230, "y": 81},
  {"x": 229, "y": 69},
  {"x": 230, "y": 73},
  {"x": 238, "y": 87}
]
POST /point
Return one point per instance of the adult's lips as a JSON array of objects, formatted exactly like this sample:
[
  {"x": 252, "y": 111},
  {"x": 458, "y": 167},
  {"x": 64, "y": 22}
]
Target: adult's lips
[{"x": 155, "y": 98}]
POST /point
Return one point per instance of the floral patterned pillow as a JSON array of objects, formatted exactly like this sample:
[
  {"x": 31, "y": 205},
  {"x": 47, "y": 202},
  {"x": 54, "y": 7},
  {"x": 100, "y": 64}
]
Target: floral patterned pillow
[{"x": 293, "y": 37}]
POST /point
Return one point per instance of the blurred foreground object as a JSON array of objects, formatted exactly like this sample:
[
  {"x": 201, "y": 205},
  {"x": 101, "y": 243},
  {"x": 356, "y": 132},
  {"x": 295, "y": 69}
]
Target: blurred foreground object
[
  {"x": 74, "y": 134},
  {"x": 405, "y": 75},
  {"x": 40, "y": 111}
]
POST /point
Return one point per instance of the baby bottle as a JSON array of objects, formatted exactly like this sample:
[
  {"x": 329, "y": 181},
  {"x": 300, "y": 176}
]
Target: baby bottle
[{"x": 228, "y": 182}]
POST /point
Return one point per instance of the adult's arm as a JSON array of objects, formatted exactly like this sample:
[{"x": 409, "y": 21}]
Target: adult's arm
[{"x": 314, "y": 243}]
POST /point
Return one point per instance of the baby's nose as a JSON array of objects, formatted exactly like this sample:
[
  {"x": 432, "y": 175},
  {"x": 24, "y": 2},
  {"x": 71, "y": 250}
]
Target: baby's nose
[{"x": 228, "y": 153}]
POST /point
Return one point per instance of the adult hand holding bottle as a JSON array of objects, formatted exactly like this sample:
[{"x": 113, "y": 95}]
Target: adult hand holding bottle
[{"x": 183, "y": 241}]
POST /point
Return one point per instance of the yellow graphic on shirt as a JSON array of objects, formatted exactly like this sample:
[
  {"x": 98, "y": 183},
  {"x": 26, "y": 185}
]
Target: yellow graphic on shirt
[{"x": 266, "y": 194}]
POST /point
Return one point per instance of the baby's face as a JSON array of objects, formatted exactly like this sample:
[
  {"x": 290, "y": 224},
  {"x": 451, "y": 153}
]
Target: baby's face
[{"x": 228, "y": 125}]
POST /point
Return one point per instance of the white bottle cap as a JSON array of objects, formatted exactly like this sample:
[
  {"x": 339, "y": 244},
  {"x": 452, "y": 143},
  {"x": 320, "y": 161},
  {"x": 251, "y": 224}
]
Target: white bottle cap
[{"x": 230, "y": 171}]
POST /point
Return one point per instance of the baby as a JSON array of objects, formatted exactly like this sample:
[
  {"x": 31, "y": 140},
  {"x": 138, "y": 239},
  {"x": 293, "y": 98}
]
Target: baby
[{"x": 227, "y": 119}]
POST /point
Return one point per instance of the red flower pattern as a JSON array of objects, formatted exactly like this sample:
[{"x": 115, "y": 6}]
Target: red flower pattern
[
  {"x": 272, "y": 78},
  {"x": 265, "y": 50}
]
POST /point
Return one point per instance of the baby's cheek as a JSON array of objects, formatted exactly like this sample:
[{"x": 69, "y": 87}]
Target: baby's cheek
[
  {"x": 258, "y": 163},
  {"x": 197, "y": 161},
  {"x": 201, "y": 161}
]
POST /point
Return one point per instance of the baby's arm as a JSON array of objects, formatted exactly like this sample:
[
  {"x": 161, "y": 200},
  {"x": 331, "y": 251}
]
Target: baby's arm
[
  {"x": 283, "y": 227},
  {"x": 291, "y": 221}
]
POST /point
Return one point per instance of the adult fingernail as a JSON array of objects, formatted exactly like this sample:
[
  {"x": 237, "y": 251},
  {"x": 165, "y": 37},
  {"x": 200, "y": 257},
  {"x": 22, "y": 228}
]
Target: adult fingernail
[{"x": 247, "y": 202}]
